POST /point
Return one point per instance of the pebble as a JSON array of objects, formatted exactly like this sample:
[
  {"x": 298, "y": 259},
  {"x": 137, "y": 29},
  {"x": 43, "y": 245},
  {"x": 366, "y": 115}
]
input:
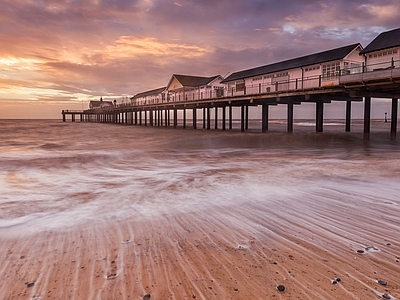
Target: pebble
[
  {"x": 241, "y": 247},
  {"x": 338, "y": 279},
  {"x": 382, "y": 282},
  {"x": 146, "y": 297},
  {"x": 386, "y": 296},
  {"x": 281, "y": 288},
  {"x": 360, "y": 251},
  {"x": 334, "y": 282},
  {"x": 112, "y": 276},
  {"x": 371, "y": 248},
  {"x": 29, "y": 284}
]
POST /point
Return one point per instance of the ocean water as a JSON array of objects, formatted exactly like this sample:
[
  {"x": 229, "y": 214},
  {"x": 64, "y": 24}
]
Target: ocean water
[{"x": 54, "y": 175}]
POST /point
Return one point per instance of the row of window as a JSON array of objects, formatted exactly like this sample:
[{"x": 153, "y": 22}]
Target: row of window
[
  {"x": 383, "y": 53},
  {"x": 313, "y": 68},
  {"x": 281, "y": 74}
]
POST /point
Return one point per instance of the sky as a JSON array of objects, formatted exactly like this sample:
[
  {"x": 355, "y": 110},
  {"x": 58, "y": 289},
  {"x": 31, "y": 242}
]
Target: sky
[{"x": 60, "y": 54}]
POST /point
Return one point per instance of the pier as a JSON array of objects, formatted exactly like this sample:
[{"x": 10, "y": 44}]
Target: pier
[{"x": 351, "y": 88}]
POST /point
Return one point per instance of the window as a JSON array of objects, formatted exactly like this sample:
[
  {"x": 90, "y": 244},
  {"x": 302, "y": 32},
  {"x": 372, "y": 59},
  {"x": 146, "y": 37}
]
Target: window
[{"x": 330, "y": 70}]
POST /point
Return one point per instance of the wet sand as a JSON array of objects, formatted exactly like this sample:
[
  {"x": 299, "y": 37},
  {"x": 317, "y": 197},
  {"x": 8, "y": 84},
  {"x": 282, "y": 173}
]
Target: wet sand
[{"x": 222, "y": 252}]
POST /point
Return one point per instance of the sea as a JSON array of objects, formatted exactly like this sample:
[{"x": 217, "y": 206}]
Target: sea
[{"x": 54, "y": 174}]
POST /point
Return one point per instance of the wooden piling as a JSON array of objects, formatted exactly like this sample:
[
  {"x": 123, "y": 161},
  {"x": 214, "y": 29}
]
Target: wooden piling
[
  {"x": 367, "y": 118},
  {"x": 393, "y": 121},
  {"x": 290, "y": 117},
  {"x": 348, "y": 115}
]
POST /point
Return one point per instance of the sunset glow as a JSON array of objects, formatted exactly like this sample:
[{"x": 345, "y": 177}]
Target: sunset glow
[{"x": 66, "y": 53}]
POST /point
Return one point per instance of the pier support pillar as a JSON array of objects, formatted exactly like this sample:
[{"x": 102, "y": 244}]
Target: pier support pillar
[
  {"x": 184, "y": 118},
  {"x": 151, "y": 117},
  {"x": 136, "y": 117},
  {"x": 169, "y": 118},
  {"x": 140, "y": 118},
  {"x": 208, "y": 119},
  {"x": 230, "y": 117},
  {"x": 216, "y": 118},
  {"x": 175, "y": 117},
  {"x": 348, "y": 115},
  {"x": 247, "y": 118},
  {"x": 393, "y": 120},
  {"x": 223, "y": 117},
  {"x": 367, "y": 118},
  {"x": 81, "y": 116},
  {"x": 145, "y": 118},
  {"x": 204, "y": 118},
  {"x": 319, "y": 116},
  {"x": 242, "y": 117},
  {"x": 264, "y": 121},
  {"x": 194, "y": 118},
  {"x": 290, "y": 117},
  {"x": 63, "y": 116},
  {"x": 73, "y": 117}
]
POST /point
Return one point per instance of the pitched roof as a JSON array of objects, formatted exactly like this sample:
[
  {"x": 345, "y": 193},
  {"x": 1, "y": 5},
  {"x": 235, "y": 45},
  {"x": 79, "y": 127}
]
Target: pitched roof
[
  {"x": 149, "y": 93},
  {"x": 388, "y": 39},
  {"x": 317, "y": 58},
  {"x": 192, "y": 81}
]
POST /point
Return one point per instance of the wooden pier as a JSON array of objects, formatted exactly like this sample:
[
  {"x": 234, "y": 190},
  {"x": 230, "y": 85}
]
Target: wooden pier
[{"x": 349, "y": 90}]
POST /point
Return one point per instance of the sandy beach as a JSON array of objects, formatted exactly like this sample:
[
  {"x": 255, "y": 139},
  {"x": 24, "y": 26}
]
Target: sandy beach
[
  {"x": 238, "y": 253},
  {"x": 172, "y": 215}
]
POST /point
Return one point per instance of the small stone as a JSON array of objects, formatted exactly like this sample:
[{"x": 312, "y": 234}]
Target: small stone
[
  {"x": 146, "y": 297},
  {"x": 360, "y": 251},
  {"x": 386, "y": 296},
  {"x": 382, "y": 282},
  {"x": 334, "y": 282},
  {"x": 22, "y": 257},
  {"x": 338, "y": 279},
  {"x": 112, "y": 276},
  {"x": 29, "y": 284},
  {"x": 236, "y": 289},
  {"x": 281, "y": 288},
  {"x": 193, "y": 296}
]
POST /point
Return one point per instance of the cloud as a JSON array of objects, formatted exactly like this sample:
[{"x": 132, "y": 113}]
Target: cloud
[{"x": 80, "y": 49}]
